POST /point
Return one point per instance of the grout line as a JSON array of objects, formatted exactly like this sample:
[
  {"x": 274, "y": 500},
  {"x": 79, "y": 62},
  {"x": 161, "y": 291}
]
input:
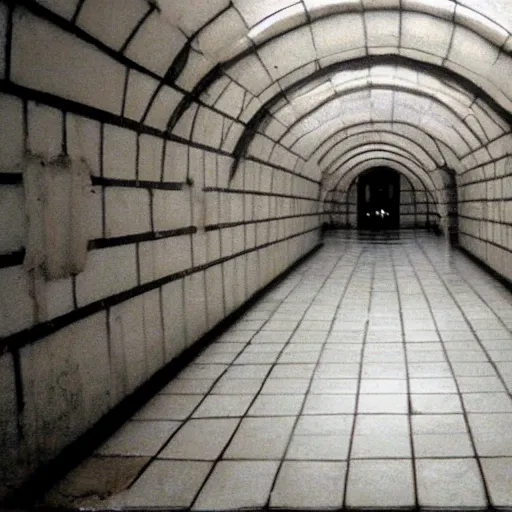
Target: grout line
[
  {"x": 359, "y": 379},
  {"x": 323, "y": 345},
  {"x": 454, "y": 377},
  {"x": 257, "y": 394},
  {"x": 190, "y": 416},
  {"x": 408, "y": 382}
]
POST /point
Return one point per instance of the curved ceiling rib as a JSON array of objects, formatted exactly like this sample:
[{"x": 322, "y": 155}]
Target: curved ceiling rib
[
  {"x": 366, "y": 149},
  {"x": 431, "y": 77},
  {"x": 406, "y": 131},
  {"x": 373, "y": 137},
  {"x": 404, "y": 167}
]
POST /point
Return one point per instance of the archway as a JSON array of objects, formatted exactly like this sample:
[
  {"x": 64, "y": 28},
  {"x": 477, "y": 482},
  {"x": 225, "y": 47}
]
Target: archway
[{"x": 378, "y": 199}]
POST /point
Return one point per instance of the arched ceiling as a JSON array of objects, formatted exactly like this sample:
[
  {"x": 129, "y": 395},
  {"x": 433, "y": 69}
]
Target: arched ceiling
[{"x": 318, "y": 86}]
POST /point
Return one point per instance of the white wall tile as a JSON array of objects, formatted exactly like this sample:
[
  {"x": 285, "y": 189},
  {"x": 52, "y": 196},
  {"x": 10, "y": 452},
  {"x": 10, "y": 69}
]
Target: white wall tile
[
  {"x": 176, "y": 162},
  {"x": 44, "y": 58},
  {"x": 127, "y": 211},
  {"x": 12, "y": 207},
  {"x": 171, "y": 209},
  {"x": 153, "y": 332},
  {"x": 162, "y": 108},
  {"x": 164, "y": 257},
  {"x": 127, "y": 347},
  {"x": 156, "y": 44},
  {"x": 45, "y": 130},
  {"x": 12, "y": 138},
  {"x": 66, "y": 383},
  {"x": 16, "y": 307},
  {"x": 111, "y": 22},
  {"x": 84, "y": 141},
  {"x": 150, "y": 158},
  {"x": 195, "y": 306},
  {"x": 119, "y": 153},
  {"x": 107, "y": 272},
  {"x": 64, "y": 8},
  {"x": 214, "y": 295},
  {"x": 174, "y": 319}
]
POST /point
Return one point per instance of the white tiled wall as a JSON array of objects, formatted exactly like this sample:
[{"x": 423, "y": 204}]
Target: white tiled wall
[
  {"x": 89, "y": 93},
  {"x": 95, "y": 107},
  {"x": 485, "y": 206}
]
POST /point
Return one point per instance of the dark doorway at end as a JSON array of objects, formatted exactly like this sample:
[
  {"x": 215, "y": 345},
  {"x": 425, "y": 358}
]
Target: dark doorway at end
[{"x": 378, "y": 200}]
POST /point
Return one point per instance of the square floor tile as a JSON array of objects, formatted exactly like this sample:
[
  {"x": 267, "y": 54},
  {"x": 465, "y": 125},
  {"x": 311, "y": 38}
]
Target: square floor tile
[
  {"x": 337, "y": 371},
  {"x": 435, "y": 404},
  {"x": 310, "y": 485},
  {"x": 328, "y": 425},
  {"x": 139, "y": 438},
  {"x": 285, "y": 387},
  {"x": 168, "y": 407},
  {"x": 319, "y": 447},
  {"x": 187, "y": 387},
  {"x": 442, "y": 445},
  {"x": 480, "y": 384},
  {"x": 309, "y": 337},
  {"x": 252, "y": 481},
  {"x": 487, "y": 402},
  {"x": 257, "y": 358},
  {"x": 292, "y": 371},
  {"x": 237, "y": 335},
  {"x": 330, "y": 404},
  {"x": 167, "y": 483},
  {"x": 277, "y": 325},
  {"x": 439, "y": 424},
  {"x": 315, "y": 325},
  {"x": 450, "y": 483},
  {"x": 435, "y": 385},
  {"x": 200, "y": 440},
  {"x": 383, "y": 371},
  {"x": 299, "y": 357},
  {"x": 383, "y": 357},
  {"x": 333, "y": 386},
  {"x": 383, "y": 386},
  {"x": 380, "y": 483},
  {"x": 384, "y": 336},
  {"x": 303, "y": 347},
  {"x": 212, "y": 358},
  {"x": 223, "y": 406},
  {"x": 261, "y": 438},
  {"x": 276, "y": 405},
  {"x": 383, "y": 403},
  {"x": 381, "y": 436},
  {"x": 425, "y": 356},
  {"x": 498, "y": 475},
  {"x": 248, "y": 371},
  {"x": 341, "y": 356},
  {"x": 346, "y": 336},
  {"x": 501, "y": 355},
  {"x": 272, "y": 336},
  {"x": 429, "y": 370},
  {"x": 421, "y": 336},
  {"x": 473, "y": 369},
  {"x": 466, "y": 356},
  {"x": 492, "y": 434},
  {"x": 228, "y": 386},
  {"x": 274, "y": 348},
  {"x": 202, "y": 371}
]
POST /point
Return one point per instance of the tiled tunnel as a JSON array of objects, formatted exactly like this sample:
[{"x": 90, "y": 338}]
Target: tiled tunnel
[{"x": 289, "y": 221}]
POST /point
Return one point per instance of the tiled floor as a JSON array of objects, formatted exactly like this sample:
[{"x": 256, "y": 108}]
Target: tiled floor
[{"x": 378, "y": 374}]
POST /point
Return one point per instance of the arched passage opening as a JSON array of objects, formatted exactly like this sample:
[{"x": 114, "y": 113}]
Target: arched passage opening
[{"x": 378, "y": 199}]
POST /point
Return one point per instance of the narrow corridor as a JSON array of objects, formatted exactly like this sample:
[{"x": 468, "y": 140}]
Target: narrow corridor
[{"x": 377, "y": 374}]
